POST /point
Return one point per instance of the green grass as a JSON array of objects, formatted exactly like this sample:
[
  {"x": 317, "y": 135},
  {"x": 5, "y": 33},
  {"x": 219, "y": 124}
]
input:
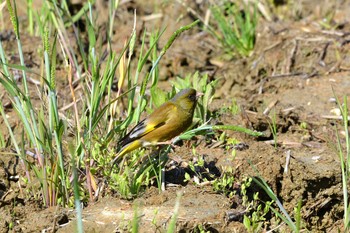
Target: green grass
[
  {"x": 94, "y": 122},
  {"x": 272, "y": 121},
  {"x": 236, "y": 29},
  {"x": 344, "y": 157}
]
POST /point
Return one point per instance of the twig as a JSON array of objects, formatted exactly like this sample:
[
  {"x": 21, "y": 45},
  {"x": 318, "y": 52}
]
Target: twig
[
  {"x": 205, "y": 183},
  {"x": 274, "y": 229},
  {"x": 304, "y": 75},
  {"x": 323, "y": 55},
  {"x": 162, "y": 178},
  {"x": 284, "y": 143},
  {"x": 335, "y": 66},
  {"x": 257, "y": 61},
  {"x": 344, "y": 68},
  {"x": 315, "y": 39},
  {"x": 344, "y": 42},
  {"x": 189, "y": 9},
  {"x": 287, "y": 75},
  {"x": 33, "y": 81},
  {"x": 276, "y": 32},
  {"x": 291, "y": 60},
  {"x": 288, "y": 153},
  {"x": 333, "y": 117},
  {"x": 310, "y": 75},
  {"x": 151, "y": 17},
  {"x": 334, "y": 33},
  {"x": 246, "y": 117},
  {"x": 263, "y": 10},
  {"x": 288, "y": 110},
  {"x": 269, "y": 107},
  {"x": 250, "y": 112},
  {"x": 272, "y": 46},
  {"x": 5, "y": 194},
  {"x": 64, "y": 108},
  {"x": 261, "y": 86},
  {"x": 7, "y": 104}
]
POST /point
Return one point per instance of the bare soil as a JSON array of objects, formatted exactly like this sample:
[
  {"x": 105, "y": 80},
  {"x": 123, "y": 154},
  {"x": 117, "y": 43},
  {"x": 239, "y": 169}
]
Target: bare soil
[{"x": 296, "y": 68}]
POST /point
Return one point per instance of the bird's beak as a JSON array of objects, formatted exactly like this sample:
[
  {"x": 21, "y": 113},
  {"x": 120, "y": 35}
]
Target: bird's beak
[{"x": 199, "y": 94}]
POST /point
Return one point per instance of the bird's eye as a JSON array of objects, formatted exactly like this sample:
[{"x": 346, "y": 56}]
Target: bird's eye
[{"x": 192, "y": 97}]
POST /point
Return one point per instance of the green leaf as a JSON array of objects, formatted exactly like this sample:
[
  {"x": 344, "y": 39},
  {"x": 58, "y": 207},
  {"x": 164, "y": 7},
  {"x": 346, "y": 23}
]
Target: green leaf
[
  {"x": 91, "y": 34},
  {"x": 158, "y": 96}
]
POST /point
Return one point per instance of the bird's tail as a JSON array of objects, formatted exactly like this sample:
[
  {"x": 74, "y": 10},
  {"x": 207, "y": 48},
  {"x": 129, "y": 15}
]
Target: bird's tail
[{"x": 126, "y": 149}]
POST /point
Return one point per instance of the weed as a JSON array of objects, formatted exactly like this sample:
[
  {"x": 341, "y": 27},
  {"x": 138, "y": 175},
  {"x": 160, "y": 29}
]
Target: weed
[
  {"x": 201, "y": 229},
  {"x": 236, "y": 28},
  {"x": 254, "y": 222},
  {"x": 225, "y": 183},
  {"x": 255, "y": 209},
  {"x": 303, "y": 125}
]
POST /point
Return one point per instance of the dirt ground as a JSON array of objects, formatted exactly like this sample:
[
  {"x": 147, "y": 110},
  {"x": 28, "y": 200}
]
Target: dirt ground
[{"x": 296, "y": 68}]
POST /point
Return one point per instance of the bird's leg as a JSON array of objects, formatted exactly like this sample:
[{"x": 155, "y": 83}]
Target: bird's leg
[{"x": 169, "y": 143}]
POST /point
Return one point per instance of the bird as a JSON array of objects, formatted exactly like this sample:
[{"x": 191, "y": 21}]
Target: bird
[{"x": 166, "y": 122}]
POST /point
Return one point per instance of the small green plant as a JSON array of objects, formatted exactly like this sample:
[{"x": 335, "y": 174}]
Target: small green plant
[
  {"x": 224, "y": 184},
  {"x": 344, "y": 156},
  {"x": 201, "y": 229},
  {"x": 303, "y": 125},
  {"x": 234, "y": 108},
  {"x": 135, "y": 175},
  {"x": 273, "y": 127},
  {"x": 256, "y": 210},
  {"x": 199, "y": 170},
  {"x": 254, "y": 222},
  {"x": 236, "y": 28}
]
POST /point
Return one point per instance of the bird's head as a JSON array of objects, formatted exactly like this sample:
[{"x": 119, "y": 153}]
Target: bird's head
[{"x": 187, "y": 99}]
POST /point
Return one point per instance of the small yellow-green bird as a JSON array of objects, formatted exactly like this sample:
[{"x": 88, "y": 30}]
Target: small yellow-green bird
[{"x": 166, "y": 122}]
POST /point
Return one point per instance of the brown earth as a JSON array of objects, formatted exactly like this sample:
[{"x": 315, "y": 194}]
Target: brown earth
[{"x": 296, "y": 68}]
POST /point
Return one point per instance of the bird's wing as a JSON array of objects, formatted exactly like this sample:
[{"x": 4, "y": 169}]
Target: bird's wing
[{"x": 157, "y": 119}]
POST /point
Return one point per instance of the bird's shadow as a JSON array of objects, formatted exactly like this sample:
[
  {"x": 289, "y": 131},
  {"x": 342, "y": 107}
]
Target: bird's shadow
[{"x": 176, "y": 171}]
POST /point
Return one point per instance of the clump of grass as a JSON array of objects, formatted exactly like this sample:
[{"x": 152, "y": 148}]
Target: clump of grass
[
  {"x": 236, "y": 29},
  {"x": 225, "y": 182},
  {"x": 93, "y": 122},
  {"x": 43, "y": 128}
]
